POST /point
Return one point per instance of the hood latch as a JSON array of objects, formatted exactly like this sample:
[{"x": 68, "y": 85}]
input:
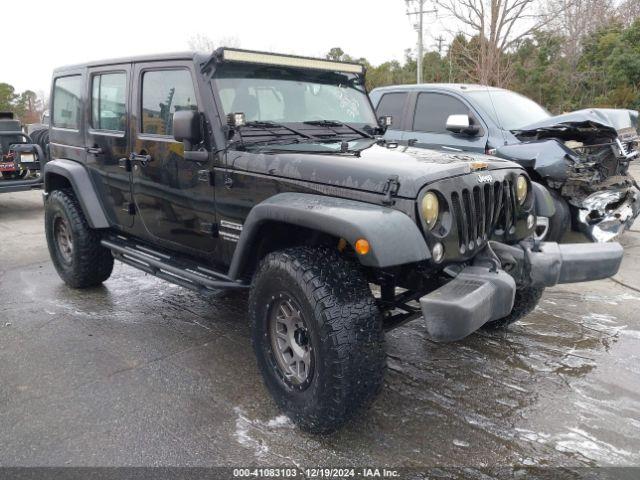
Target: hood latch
[{"x": 390, "y": 190}]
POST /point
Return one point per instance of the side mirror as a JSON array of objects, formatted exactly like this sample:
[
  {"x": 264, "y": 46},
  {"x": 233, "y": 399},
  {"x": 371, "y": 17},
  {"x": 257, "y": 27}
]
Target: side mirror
[
  {"x": 461, "y": 124},
  {"x": 187, "y": 128}
]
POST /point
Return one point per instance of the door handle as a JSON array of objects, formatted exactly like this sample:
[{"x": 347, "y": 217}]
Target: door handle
[
  {"x": 95, "y": 150},
  {"x": 143, "y": 159}
]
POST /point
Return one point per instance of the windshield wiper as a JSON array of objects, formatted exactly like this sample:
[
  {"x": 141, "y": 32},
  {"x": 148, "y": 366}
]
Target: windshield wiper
[
  {"x": 344, "y": 145},
  {"x": 269, "y": 124},
  {"x": 336, "y": 123}
]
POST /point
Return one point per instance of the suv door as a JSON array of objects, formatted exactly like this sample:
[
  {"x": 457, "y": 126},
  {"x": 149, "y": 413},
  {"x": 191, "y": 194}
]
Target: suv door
[
  {"x": 429, "y": 119},
  {"x": 173, "y": 197},
  {"x": 107, "y": 139}
]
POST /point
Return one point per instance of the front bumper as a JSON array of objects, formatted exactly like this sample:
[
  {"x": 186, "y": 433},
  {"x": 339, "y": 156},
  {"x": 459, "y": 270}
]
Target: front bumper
[
  {"x": 605, "y": 215},
  {"x": 481, "y": 293}
]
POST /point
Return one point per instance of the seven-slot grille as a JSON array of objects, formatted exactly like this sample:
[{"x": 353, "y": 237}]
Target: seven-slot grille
[{"x": 483, "y": 210}]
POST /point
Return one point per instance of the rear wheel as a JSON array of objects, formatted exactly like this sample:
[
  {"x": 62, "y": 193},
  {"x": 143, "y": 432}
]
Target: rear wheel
[
  {"x": 75, "y": 249},
  {"x": 317, "y": 335}
]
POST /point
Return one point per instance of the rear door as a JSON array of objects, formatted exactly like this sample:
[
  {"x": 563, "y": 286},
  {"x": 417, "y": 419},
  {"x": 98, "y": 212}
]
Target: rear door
[
  {"x": 429, "y": 118},
  {"x": 108, "y": 139},
  {"x": 173, "y": 196}
]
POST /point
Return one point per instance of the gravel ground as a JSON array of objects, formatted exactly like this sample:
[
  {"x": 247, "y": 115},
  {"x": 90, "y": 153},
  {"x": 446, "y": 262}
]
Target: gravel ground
[{"x": 143, "y": 373}]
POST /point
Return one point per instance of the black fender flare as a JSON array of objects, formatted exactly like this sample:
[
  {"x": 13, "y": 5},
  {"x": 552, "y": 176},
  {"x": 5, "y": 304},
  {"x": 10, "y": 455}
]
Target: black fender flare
[
  {"x": 543, "y": 201},
  {"x": 394, "y": 238},
  {"x": 78, "y": 177}
]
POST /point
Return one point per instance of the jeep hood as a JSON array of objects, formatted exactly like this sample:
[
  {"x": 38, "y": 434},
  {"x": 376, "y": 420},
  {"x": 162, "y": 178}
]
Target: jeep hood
[
  {"x": 586, "y": 122},
  {"x": 414, "y": 167}
]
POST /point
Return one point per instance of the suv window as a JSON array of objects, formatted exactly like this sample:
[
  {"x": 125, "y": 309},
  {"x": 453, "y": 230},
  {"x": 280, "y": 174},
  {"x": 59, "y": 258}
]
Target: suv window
[
  {"x": 108, "y": 98},
  {"x": 163, "y": 93},
  {"x": 66, "y": 102},
  {"x": 432, "y": 111},
  {"x": 392, "y": 104}
]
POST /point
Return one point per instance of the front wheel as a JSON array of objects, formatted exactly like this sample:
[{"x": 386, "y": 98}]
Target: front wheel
[
  {"x": 525, "y": 302},
  {"x": 317, "y": 335},
  {"x": 560, "y": 222}
]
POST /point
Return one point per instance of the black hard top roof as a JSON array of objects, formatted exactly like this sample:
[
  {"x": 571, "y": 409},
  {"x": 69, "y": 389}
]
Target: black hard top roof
[
  {"x": 220, "y": 55},
  {"x": 193, "y": 56}
]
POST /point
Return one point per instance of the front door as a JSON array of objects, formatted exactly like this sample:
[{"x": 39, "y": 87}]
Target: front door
[
  {"x": 428, "y": 129},
  {"x": 173, "y": 196},
  {"x": 107, "y": 139}
]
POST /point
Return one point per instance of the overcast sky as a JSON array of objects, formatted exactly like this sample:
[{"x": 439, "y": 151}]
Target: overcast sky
[{"x": 60, "y": 32}]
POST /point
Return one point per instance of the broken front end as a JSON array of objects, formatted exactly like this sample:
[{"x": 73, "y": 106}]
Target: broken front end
[{"x": 585, "y": 156}]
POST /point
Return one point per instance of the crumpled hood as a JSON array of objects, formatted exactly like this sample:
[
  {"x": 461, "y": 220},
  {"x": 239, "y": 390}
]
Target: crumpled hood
[
  {"x": 370, "y": 171},
  {"x": 616, "y": 121}
]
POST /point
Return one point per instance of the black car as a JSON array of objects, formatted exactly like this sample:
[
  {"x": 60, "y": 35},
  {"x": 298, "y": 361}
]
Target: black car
[
  {"x": 583, "y": 157},
  {"x": 262, "y": 172}
]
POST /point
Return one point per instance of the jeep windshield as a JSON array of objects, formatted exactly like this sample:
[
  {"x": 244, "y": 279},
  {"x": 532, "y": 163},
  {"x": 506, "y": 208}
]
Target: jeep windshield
[
  {"x": 509, "y": 110},
  {"x": 300, "y": 105}
]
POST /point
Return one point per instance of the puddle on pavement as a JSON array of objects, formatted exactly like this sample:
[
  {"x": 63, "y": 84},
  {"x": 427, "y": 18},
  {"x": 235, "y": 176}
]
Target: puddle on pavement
[{"x": 562, "y": 387}]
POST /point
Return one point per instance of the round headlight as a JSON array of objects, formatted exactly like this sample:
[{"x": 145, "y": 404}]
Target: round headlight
[
  {"x": 522, "y": 188},
  {"x": 430, "y": 209}
]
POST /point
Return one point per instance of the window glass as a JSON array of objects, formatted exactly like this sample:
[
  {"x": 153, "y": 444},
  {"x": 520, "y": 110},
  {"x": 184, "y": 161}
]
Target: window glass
[
  {"x": 392, "y": 104},
  {"x": 290, "y": 95},
  {"x": 108, "y": 98},
  {"x": 163, "y": 93},
  {"x": 509, "y": 110},
  {"x": 432, "y": 111},
  {"x": 66, "y": 102}
]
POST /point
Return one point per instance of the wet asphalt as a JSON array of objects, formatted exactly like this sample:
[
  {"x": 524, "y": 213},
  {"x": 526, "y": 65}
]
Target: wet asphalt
[{"x": 143, "y": 373}]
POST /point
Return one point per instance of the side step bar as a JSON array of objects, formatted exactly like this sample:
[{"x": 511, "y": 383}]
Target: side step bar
[{"x": 186, "y": 273}]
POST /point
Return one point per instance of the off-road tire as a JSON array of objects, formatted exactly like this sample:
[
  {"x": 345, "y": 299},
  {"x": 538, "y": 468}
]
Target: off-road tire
[
  {"x": 560, "y": 223},
  {"x": 90, "y": 263},
  {"x": 345, "y": 331},
  {"x": 525, "y": 302}
]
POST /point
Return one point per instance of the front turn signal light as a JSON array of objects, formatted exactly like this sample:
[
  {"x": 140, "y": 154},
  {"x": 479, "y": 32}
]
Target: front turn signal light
[{"x": 362, "y": 246}]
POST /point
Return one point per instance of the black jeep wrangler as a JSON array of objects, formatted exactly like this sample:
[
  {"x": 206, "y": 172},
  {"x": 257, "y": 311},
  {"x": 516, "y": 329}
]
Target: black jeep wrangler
[{"x": 248, "y": 170}]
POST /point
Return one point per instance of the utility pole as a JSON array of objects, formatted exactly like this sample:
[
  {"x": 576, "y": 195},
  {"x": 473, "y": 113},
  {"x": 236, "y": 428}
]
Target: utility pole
[{"x": 419, "y": 27}]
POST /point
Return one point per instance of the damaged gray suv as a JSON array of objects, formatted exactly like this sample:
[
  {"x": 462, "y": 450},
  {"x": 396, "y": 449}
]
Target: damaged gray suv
[
  {"x": 582, "y": 157},
  {"x": 253, "y": 171}
]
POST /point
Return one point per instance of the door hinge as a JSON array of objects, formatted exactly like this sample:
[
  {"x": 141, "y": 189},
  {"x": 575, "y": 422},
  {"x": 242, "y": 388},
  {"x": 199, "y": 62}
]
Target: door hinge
[{"x": 390, "y": 190}]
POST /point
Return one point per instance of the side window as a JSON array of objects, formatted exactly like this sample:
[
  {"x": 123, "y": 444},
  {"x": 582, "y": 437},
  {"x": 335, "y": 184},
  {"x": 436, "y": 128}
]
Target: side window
[
  {"x": 392, "y": 104},
  {"x": 163, "y": 93},
  {"x": 66, "y": 102},
  {"x": 432, "y": 111},
  {"x": 108, "y": 98}
]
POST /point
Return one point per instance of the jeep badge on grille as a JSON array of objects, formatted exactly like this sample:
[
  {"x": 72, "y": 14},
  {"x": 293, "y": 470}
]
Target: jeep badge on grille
[{"x": 485, "y": 178}]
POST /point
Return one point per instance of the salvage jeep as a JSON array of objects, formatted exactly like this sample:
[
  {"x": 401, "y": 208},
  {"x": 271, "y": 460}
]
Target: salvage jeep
[
  {"x": 21, "y": 157},
  {"x": 582, "y": 157},
  {"x": 264, "y": 172}
]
